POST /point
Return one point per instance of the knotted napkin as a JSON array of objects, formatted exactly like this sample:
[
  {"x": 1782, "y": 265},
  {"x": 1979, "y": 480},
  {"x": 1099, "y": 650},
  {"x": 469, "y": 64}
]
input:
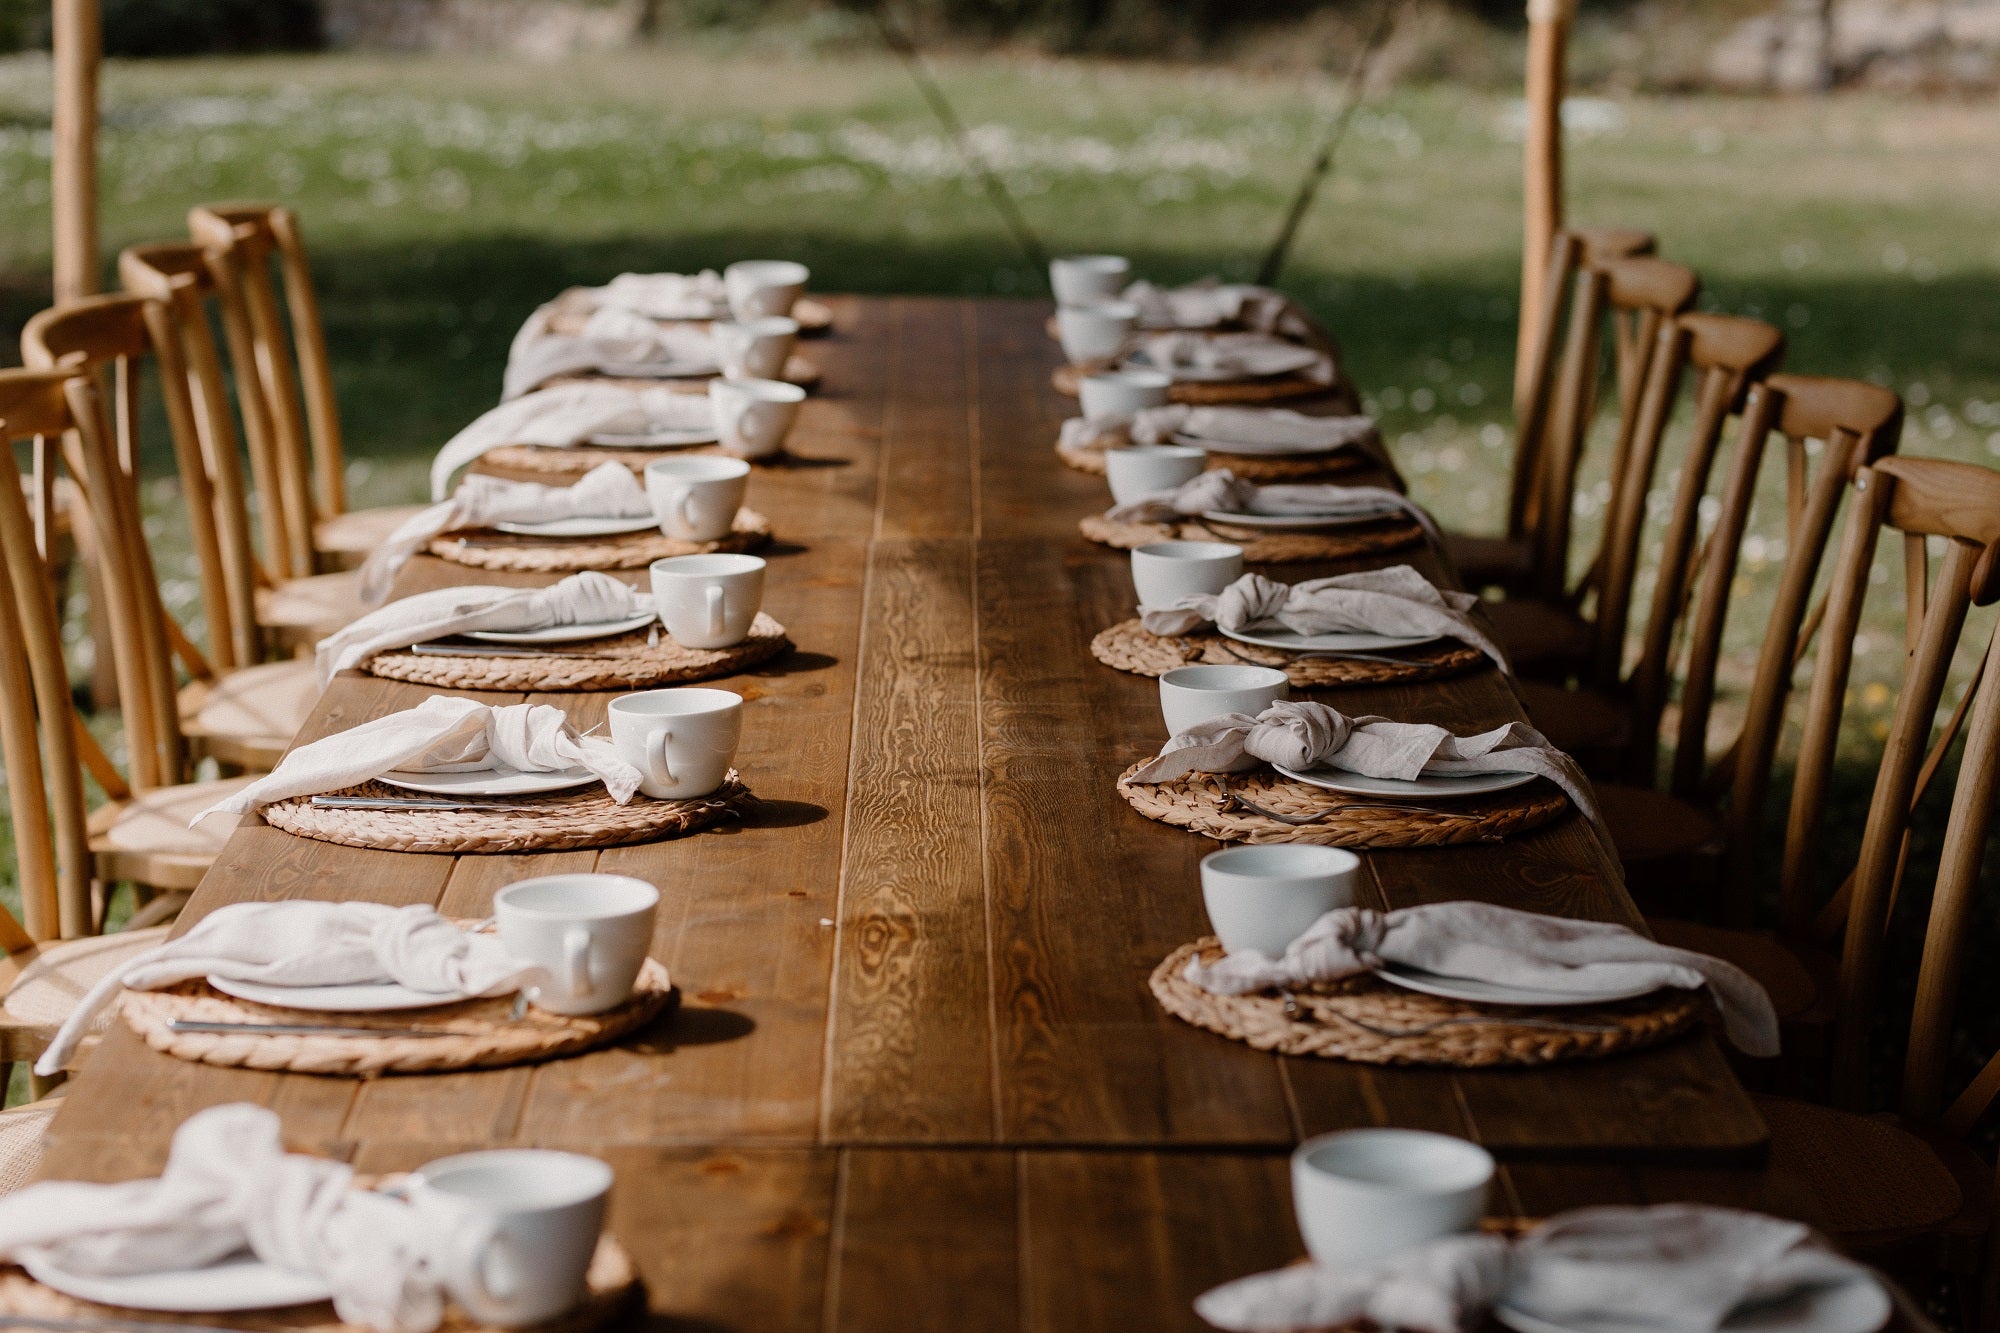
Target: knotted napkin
[
  {"x": 444, "y": 734},
  {"x": 307, "y": 942},
  {"x": 609, "y": 490},
  {"x": 1483, "y": 942},
  {"x": 1669, "y": 1268},
  {"x": 568, "y": 415},
  {"x": 1231, "y": 355},
  {"x": 665, "y": 295},
  {"x": 1242, "y": 430},
  {"x": 1397, "y": 600},
  {"x": 1222, "y": 491},
  {"x": 610, "y": 338},
  {"x": 1209, "y": 302},
  {"x": 589, "y": 598},
  {"x": 230, "y": 1186}
]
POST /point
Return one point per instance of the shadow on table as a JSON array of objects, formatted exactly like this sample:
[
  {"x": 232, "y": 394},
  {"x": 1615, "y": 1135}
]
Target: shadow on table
[
  {"x": 795, "y": 663},
  {"x": 687, "y": 1025},
  {"x": 775, "y": 814}
]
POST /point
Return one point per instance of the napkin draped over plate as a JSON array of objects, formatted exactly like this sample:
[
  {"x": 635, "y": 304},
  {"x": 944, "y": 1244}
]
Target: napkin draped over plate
[
  {"x": 445, "y": 733},
  {"x": 1209, "y": 302},
  {"x": 307, "y": 942},
  {"x": 610, "y": 338},
  {"x": 664, "y": 295},
  {"x": 1397, "y": 600},
  {"x": 1222, "y": 491},
  {"x": 1483, "y": 942},
  {"x": 229, "y": 1186},
  {"x": 589, "y": 598},
  {"x": 1670, "y": 1268},
  {"x": 1230, "y": 356},
  {"x": 565, "y": 416},
  {"x": 609, "y": 490},
  {"x": 1249, "y": 430}
]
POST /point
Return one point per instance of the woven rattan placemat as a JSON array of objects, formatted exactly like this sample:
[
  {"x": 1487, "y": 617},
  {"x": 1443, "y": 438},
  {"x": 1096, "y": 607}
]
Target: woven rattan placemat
[
  {"x": 564, "y": 822},
  {"x": 1251, "y": 467},
  {"x": 1262, "y": 546},
  {"x": 484, "y": 549},
  {"x": 626, "y": 662},
  {"x": 611, "y": 1290},
  {"x": 492, "y": 1037},
  {"x": 1129, "y": 647},
  {"x": 798, "y": 370},
  {"x": 1267, "y": 389},
  {"x": 1369, "y": 1021},
  {"x": 1203, "y": 803}
]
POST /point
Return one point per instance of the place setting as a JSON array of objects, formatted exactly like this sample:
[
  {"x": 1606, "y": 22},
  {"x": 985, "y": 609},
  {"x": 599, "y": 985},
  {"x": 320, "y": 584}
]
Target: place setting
[
  {"x": 1170, "y": 496},
  {"x": 749, "y": 288}
]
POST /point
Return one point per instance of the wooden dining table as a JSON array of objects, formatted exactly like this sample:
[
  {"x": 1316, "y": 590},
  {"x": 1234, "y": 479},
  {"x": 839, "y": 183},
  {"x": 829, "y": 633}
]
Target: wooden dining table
[{"x": 916, "y": 1079}]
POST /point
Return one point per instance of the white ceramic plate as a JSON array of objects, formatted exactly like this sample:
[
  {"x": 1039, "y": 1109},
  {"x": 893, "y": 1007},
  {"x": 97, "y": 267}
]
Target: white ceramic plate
[
  {"x": 1285, "y": 522},
  {"x": 1261, "y": 449},
  {"x": 242, "y": 1282},
  {"x": 1859, "y": 1305},
  {"x": 1295, "y": 359},
  {"x": 1343, "y": 642},
  {"x": 489, "y": 782},
  {"x": 579, "y": 527},
  {"x": 658, "y": 370},
  {"x": 1475, "y": 991},
  {"x": 603, "y": 629},
  {"x": 655, "y": 439},
  {"x": 1438, "y": 787},
  {"x": 363, "y": 999}
]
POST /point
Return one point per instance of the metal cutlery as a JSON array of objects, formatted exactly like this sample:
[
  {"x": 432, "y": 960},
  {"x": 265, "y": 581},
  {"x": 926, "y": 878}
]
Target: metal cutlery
[
  {"x": 1293, "y": 1009},
  {"x": 108, "y": 1324},
  {"x": 1319, "y": 655},
  {"x": 301, "y": 1030},
  {"x": 1301, "y": 821},
  {"x": 409, "y": 803},
  {"x": 442, "y": 648}
]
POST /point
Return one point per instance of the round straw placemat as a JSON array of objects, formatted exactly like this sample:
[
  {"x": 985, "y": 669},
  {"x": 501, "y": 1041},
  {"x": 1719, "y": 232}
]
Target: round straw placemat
[
  {"x": 1129, "y": 647},
  {"x": 1262, "y": 546},
  {"x": 485, "y": 549},
  {"x": 1266, "y": 389},
  {"x": 610, "y": 1289},
  {"x": 626, "y": 662},
  {"x": 1251, "y": 467},
  {"x": 488, "y": 1036},
  {"x": 1202, "y": 803},
  {"x": 1369, "y": 1021},
  {"x": 564, "y": 822},
  {"x": 797, "y": 371}
]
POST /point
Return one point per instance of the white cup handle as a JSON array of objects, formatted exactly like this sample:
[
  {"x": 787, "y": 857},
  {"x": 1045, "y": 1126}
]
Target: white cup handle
[
  {"x": 715, "y": 607},
  {"x": 479, "y": 1266},
  {"x": 685, "y": 508},
  {"x": 576, "y": 961},
  {"x": 658, "y": 756}
]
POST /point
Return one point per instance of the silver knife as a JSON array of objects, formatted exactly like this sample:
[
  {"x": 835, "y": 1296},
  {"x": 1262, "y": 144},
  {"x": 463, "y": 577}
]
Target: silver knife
[
  {"x": 108, "y": 1324},
  {"x": 409, "y": 803},
  {"x": 435, "y": 648},
  {"x": 300, "y": 1030}
]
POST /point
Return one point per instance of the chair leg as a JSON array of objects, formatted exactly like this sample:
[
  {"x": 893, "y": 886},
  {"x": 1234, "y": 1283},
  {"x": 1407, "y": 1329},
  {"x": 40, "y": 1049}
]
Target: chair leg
[{"x": 159, "y": 908}]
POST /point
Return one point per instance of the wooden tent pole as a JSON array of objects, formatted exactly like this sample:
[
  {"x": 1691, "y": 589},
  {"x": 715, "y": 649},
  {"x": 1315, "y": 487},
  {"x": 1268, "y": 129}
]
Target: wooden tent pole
[
  {"x": 78, "y": 40},
  {"x": 1541, "y": 168}
]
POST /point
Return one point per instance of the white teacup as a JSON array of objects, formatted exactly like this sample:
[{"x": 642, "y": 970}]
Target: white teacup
[
  {"x": 1165, "y": 572},
  {"x": 1191, "y": 695},
  {"x": 1095, "y": 332},
  {"x": 1077, "y": 279},
  {"x": 1265, "y": 897},
  {"x": 681, "y": 740},
  {"x": 588, "y": 933},
  {"x": 696, "y": 498},
  {"x": 764, "y": 286},
  {"x": 754, "y": 348},
  {"x": 752, "y": 416},
  {"x": 1120, "y": 393},
  {"x": 1364, "y": 1194},
  {"x": 708, "y": 601},
  {"x": 1142, "y": 469},
  {"x": 513, "y": 1230}
]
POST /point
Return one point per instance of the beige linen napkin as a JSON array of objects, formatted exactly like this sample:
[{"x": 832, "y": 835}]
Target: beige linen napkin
[
  {"x": 307, "y": 943},
  {"x": 1259, "y": 429},
  {"x": 589, "y": 598},
  {"x": 665, "y": 295},
  {"x": 1206, "y": 303},
  {"x": 1235, "y": 355},
  {"x": 1396, "y": 600},
  {"x": 446, "y": 733},
  {"x": 1440, "y": 1287},
  {"x": 230, "y": 1186},
  {"x": 609, "y": 490},
  {"x": 565, "y": 416},
  {"x": 610, "y": 337},
  {"x": 1222, "y": 491}
]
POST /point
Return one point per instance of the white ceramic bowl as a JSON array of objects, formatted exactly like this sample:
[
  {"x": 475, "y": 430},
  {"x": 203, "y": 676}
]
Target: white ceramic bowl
[{"x": 1265, "y": 897}]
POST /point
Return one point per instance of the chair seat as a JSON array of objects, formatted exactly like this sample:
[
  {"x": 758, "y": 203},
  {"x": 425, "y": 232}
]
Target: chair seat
[
  {"x": 1799, "y": 979},
  {"x": 1869, "y": 1180},
  {"x": 1485, "y": 561},
  {"x": 346, "y": 539},
  {"x": 1578, "y": 721},
  {"x": 147, "y": 839},
  {"x": 1540, "y": 639},
  {"x": 53, "y": 977},
  {"x": 249, "y": 717},
  {"x": 1648, "y": 825},
  {"x": 301, "y": 612},
  {"x": 22, "y": 1132}
]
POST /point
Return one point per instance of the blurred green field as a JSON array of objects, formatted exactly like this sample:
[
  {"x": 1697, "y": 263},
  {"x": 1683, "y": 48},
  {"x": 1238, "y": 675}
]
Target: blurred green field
[{"x": 444, "y": 198}]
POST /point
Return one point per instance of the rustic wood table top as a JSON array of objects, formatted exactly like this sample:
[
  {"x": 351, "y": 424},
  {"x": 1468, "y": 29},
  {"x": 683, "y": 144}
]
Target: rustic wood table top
[{"x": 918, "y": 1077}]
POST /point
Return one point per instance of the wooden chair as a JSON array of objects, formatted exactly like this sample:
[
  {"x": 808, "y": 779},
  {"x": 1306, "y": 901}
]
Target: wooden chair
[
  {"x": 233, "y": 709},
  {"x": 1508, "y": 560},
  {"x": 294, "y": 428}
]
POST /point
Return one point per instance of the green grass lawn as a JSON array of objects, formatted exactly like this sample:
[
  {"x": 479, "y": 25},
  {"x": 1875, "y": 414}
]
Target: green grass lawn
[{"x": 444, "y": 198}]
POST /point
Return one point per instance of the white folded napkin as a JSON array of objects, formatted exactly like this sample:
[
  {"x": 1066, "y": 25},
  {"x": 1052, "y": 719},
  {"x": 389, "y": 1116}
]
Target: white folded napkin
[
  {"x": 1669, "y": 1268},
  {"x": 589, "y": 598},
  {"x": 1237, "y": 355},
  {"x": 568, "y": 415},
  {"x": 1222, "y": 491},
  {"x": 610, "y": 337},
  {"x": 230, "y": 1186},
  {"x": 1264, "y": 427},
  {"x": 1209, "y": 302},
  {"x": 609, "y": 490},
  {"x": 665, "y": 295},
  {"x": 307, "y": 942},
  {"x": 1397, "y": 600},
  {"x": 444, "y": 734},
  {"x": 1482, "y": 942}
]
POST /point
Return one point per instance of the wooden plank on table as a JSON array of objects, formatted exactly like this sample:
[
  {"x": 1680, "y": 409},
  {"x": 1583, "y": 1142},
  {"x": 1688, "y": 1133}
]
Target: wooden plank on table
[
  {"x": 910, "y": 1055},
  {"x": 929, "y": 471},
  {"x": 926, "y": 1242},
  {"x": 827, "y": 483},
  {"x": 1023, "y": 490}
]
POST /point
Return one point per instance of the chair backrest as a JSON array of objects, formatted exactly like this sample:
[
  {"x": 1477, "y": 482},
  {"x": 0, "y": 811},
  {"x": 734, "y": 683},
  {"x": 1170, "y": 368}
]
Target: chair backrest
[
  {"x": 293, "y": 373},
  {"x": 42, "y": 741}
]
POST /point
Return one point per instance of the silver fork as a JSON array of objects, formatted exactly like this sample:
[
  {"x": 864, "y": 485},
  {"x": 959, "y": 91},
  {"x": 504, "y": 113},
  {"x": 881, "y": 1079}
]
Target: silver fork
[
  {"x": 1293, "y": 1009},
  {"x": 1328, "y": 656},
  {"x": 1301, "y": 821}
]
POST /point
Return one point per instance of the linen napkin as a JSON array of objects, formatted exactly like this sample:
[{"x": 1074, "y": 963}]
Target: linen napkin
[
  {"x": 609, "y": 490},
  {"x": 1224, "y": 491},
  {"x": 1396, "y": 600},
  {"x": 229, "y": 1185},
  {"x": 446, "y": 733},
  {"x": 1259, "y": 428},
  {"x": 609, "y": 338},
  {"x": 589, "y": 598},
  {"x": 1235, "y": 355},
  {"x": 1210, "y": 302},
  {"x": 1484, "y": 942},
  {"x": 1668, "y": 1268},
  {"x": 307, "y": 942},
  {"x": 665, "y": 295},
  {"x": 568, "y": 415}
]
